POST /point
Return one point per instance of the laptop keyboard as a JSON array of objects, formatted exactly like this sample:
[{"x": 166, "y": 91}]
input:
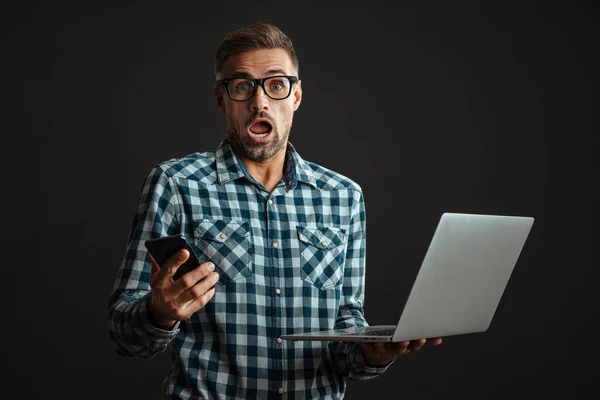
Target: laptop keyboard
[
  {"x": 380, "y": 332},
  {"x": 383, "y": 332}
]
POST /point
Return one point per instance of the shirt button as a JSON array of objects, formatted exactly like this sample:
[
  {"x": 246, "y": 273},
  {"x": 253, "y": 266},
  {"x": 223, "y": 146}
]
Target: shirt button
[
  {"x": 222, "y": 236},
  {"x": 275, "y": 245},
  {"x": 280, "y": 390},
  {"x": 270, "y": 201},
  {"x": 324, "y": 243},
  {"x": 279, "y": 340},
  {"x": 278, "y": 291}
]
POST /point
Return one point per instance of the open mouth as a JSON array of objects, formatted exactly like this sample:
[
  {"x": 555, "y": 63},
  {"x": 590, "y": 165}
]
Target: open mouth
[{"x": 260, "y": 129}]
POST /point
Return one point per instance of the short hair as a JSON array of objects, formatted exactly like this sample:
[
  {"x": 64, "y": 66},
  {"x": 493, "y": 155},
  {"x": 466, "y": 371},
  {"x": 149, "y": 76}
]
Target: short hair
[{"x": 254, "y": 37}]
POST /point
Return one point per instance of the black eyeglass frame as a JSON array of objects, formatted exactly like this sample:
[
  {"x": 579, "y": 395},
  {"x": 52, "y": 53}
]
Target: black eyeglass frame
[{"x": 258, "y": 82}]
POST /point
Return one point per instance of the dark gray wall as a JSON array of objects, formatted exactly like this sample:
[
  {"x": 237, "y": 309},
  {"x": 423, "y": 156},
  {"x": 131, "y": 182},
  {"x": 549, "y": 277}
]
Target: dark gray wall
[{"x": 439, "y": 106}]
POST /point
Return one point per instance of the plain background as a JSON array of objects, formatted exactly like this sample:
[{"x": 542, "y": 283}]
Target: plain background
[{"x": 429, "y": 106}]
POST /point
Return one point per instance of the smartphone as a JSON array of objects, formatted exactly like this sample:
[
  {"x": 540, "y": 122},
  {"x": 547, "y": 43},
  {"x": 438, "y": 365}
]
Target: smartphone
[{"x": 162, "y": 248}]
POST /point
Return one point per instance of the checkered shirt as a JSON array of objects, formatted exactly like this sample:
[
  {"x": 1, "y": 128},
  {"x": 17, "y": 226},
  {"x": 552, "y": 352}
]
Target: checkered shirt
[{"x": 289, "y": 261}]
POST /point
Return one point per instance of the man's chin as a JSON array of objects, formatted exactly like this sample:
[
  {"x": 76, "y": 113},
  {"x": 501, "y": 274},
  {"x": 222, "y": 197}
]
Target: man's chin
[{"x": 259, "y": 153}]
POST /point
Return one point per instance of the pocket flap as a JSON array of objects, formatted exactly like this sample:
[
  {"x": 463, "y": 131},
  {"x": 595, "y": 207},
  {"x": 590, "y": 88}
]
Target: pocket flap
[
  {"x": 221, "y": 231},
  {"x": 322, "y": 237}
]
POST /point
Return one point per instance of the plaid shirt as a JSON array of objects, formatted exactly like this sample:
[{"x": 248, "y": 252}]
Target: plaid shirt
[{"x": 290, "y": 260}]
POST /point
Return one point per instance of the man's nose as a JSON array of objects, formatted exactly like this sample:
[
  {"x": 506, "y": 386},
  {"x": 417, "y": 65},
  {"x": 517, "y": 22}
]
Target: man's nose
[{"x": 260, "y": 100}]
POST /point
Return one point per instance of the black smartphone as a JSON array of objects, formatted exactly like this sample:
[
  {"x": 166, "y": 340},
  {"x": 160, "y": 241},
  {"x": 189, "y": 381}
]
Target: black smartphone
[{"x": 162, "y": 248}]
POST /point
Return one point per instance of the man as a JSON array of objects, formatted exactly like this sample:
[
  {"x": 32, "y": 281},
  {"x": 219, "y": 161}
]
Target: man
[{"x": 283, "y": 240}]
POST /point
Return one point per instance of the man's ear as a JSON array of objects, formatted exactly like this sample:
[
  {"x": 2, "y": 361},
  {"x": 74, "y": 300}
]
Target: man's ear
[
  {"x": 219, "y": 99},
  {"x": 298, "y": 95}
]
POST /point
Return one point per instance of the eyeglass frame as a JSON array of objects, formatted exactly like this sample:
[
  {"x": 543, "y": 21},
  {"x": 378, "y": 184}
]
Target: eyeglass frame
[{"x": 258, "y": 82}]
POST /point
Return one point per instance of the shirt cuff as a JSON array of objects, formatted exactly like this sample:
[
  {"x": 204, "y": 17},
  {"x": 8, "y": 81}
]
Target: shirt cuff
[
  {"x": 362, "y": 367},
  {"x": 149, "y": 327}
]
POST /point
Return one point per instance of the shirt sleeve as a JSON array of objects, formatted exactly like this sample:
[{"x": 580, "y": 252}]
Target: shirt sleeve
[
  {"x": 348, "y": 355},
  {"x": 129, "y": 326}
]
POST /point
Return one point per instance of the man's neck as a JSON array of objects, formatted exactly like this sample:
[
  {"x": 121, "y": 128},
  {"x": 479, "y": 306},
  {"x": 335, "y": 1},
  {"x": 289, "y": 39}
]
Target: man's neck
[{"x": 267, "y": 173}]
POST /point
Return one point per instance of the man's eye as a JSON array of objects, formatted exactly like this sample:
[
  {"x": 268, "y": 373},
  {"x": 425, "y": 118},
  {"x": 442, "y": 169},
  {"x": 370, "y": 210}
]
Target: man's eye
[
  {"x": 243, "y": 87},
  {"x": 276, "y": 86}
]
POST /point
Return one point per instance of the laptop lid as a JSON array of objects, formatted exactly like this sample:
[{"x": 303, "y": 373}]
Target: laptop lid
[
  {"x": 463, "y": 275},
  {"x": 459, "y": 285}
]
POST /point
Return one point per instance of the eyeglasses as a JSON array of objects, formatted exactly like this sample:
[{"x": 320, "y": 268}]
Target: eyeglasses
[{"x": 242, "y": 89}]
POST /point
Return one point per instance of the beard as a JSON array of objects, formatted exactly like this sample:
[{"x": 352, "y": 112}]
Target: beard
[{"x": 259, "y": 152}]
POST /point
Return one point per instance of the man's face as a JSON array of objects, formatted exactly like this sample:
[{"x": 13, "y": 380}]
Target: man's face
[{"x": 258, "y": 128}]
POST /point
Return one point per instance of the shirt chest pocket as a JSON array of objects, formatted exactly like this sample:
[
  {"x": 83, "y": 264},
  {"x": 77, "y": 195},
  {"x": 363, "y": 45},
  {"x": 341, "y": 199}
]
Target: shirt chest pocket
[
  {"x": 322, "y": 252},
  {"x": 227, "y": 245}
]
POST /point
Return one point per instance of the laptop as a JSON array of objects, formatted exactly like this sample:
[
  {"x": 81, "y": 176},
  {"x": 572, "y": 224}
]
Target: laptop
[{"x": 459, "y": 285}]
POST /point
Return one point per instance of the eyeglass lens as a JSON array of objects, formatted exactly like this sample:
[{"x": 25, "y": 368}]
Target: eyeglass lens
[{"x": 277, "y": 87}]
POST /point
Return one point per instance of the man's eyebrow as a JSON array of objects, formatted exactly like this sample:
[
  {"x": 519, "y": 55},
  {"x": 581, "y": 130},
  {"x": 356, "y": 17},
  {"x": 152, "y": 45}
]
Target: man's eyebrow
[
  {"x": 271, "y": 72},
  {"x": 276, "y": 71},
  {"x": 241, "y": 75}
]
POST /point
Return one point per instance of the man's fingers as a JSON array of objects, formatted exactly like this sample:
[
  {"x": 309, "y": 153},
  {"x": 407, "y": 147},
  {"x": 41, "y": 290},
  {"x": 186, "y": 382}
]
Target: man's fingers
[
  {"x": 197, "y": 296},
  {"x": 203, "y": 286},
  {"x": 416, "y": 344},
  {"x": 433, "y": 341},
  {"x": 201, "y": 301},
  {"x": 403, "y": 347},
  {"x": 166, "y": 271},
  {"x": 192, "y": 277},
  {"x": 174, "y": 262},
  {"x": 383, "y": 351}
]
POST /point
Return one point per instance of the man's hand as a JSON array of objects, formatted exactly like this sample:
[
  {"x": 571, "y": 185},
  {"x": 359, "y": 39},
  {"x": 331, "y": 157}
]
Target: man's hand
[
  {"x": 171, "y": 301},
  {"x": 379, "y": 354}
]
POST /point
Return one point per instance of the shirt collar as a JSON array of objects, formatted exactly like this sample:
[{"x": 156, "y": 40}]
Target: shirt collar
[{"x": 230, "y": 167}]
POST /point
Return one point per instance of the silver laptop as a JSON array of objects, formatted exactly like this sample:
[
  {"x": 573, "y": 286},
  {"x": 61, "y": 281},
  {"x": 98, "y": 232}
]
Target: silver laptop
[{"x": 459, "y": 284}]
